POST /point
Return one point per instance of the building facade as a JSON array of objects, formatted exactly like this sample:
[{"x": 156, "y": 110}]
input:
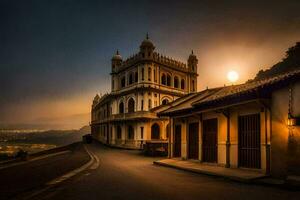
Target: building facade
[
  {"x": 125, "y": 117},
  {"x": 249, "y": 126}
]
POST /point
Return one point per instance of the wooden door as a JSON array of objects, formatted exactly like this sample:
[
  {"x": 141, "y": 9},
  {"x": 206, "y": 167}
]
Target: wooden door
[
  {"x": 193, "y": 141},
  {"x": 210, "y": 141},
  {"x": 177, "y": 141},
  {"x": 249, "y": 141}
]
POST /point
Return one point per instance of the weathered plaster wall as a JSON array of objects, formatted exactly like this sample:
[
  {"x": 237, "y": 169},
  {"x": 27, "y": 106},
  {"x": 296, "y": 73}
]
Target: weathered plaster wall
[{"x": 285, "y": 141}]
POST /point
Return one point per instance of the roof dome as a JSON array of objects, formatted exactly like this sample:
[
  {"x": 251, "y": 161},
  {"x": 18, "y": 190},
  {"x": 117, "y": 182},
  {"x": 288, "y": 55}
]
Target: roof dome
[
  {"x": 192, "y": 55},
  {"x": 147, "y": 42},
  {"x": 117, "y": 56}
]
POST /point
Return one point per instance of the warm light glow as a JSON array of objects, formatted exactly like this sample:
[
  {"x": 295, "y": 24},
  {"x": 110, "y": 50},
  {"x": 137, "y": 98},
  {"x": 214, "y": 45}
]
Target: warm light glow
[
  {"x": 232, "y": 76},
  {"x": 291, "y": 121}
]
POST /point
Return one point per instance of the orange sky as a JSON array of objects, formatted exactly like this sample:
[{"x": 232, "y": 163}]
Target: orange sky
[{"x": 56, "y": 56}]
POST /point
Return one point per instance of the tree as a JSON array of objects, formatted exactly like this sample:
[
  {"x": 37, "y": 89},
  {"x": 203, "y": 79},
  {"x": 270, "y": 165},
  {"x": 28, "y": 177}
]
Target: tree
[{"x": 289, "y": 63}]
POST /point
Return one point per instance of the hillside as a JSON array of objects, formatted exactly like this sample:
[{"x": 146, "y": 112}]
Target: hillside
[{"x": 289, "y": 63}]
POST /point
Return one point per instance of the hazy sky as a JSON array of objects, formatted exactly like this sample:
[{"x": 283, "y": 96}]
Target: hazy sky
[{"x": 55, "y": 54}]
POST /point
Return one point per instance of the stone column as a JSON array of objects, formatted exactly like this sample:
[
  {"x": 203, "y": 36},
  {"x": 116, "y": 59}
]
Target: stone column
[
  {"x": 171, "y": 138},
  {"x": 227, "y": 115},
  {"x": 184, "y": 148},
  {"x": 200, "y": 137}
]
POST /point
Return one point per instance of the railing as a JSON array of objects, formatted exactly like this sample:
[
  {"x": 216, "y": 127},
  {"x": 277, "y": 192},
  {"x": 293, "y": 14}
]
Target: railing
[
  {"x": 127, "y": 116},
  {"x": 156, "y": 57},
  {"x": 150, "y": 85}
]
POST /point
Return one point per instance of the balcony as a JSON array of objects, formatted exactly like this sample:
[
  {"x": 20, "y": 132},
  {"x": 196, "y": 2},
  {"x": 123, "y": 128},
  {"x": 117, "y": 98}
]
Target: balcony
[
  {"x": 127, "y": 116},
  {"x": 133, "y": 116}
]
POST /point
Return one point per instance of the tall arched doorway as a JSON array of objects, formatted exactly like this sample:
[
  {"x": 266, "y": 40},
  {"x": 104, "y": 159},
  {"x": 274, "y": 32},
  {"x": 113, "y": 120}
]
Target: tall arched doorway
[
  {"x": 130, "y": 132},
  {"x": 121, "y": 108},
  {"x": 131, "y": 105},
  {"x": 155, "y": 132},
  {"x": 119, "y": 132}
]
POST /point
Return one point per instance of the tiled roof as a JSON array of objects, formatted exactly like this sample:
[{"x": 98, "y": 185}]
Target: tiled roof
[
  {"x": 247, "y": 87},
  {"x": 186, "y": 103},
  {"x": 218, "y": 94},
  {"x": 173, "y": 103}
]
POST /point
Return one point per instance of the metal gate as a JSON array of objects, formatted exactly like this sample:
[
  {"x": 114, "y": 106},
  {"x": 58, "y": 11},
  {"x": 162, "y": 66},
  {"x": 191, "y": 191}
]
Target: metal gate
[
  {"x": 177, "y": 141},
  {"x": 249, "y": 141},
  {"x": 210, "y": 140},
  {"x": 193, "y": 150}
]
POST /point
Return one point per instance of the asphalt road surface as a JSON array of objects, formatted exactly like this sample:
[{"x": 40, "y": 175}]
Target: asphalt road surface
[
  {"x": 125, "y": 174},
  {"x": 16, "y": 180}
]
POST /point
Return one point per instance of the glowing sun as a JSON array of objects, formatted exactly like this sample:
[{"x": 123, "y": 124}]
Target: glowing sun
[{"x": 232, "y": 76}]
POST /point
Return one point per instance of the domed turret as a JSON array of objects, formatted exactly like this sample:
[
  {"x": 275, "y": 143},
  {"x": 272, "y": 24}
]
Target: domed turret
[
  {"x": 147, "y": 43},
  {"x": 117, "y": 56},
  {"x": 192, "y": 56},
  {"x": 96, "y": 99},
  {"x": 116, "y": 61},
  {"x": 147, "y": 47}
]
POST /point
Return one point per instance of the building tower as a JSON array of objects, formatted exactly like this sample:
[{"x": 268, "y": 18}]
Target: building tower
[
  {"x": 192, "y": 68},
  {"x": 116, "y": 63},
  {"x": 147, "y": 48}
]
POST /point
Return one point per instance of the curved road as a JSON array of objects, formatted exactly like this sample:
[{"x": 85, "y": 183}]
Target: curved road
[
  {"x": 24, "y": 178},
  {"x": 125, "y": 174}
]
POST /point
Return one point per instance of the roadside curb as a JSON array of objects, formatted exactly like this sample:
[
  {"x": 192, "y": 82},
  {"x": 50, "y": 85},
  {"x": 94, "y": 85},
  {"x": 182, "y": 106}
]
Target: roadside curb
[
  {"x": 76, "y": 171},
  {"x": 52, "y": 185},
  {"x": 198, "y": 171}
]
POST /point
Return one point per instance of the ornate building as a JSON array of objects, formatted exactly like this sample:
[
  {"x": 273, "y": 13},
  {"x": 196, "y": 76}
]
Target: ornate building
[{"x": 125, "y": 117}]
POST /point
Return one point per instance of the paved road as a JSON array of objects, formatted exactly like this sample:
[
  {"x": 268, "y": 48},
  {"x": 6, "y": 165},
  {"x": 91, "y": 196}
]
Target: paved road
[
  {"x": 128, "y": 175},
  {"x": 15, "y": 181}
]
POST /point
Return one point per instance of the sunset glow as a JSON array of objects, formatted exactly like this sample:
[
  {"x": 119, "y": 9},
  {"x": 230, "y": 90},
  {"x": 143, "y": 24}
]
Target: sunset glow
[{"x": 232, "y": 76}]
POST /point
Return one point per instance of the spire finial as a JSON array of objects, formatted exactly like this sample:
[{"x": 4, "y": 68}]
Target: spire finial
[
  {"x": 117, "y": 52},
  {"x": 147, "y": 36},
  {"x": 192, "y": 52}
]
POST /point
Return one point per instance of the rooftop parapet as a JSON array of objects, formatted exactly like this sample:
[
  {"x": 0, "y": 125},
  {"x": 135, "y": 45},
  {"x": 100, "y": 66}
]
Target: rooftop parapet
[{"x": 157, "y": 58}]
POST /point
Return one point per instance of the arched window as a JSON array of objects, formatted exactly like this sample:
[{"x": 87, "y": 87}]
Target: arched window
[
  {"x": 163, "y": 79},
  {"x": 164, "y": 102},
  {"x": 142, "y": 104},
  {"x": 149, "y": 73},
  {"x": 119, "y": 132},
  {"x": 131, "y": 105},
  {"x": 168, "y": 80},
  {"x": 121, "y": 107},
  {"x": 193, "y": 85},
  {"x": 155, "y": 132},
  {"x": 176, "y": 82},
  {"x": 149, "y": 104},
  {"x": 130, "y": 80},
  {"x": 130, "y": 132},
  {"x": 123, "y": 81},
  {"x": 136, "y": 78},
  {"x": 182, "y": 84}
]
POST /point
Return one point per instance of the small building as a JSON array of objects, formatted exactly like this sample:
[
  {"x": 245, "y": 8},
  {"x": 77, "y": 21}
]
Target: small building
[
  {"x": 124, "y": 117},
  {"x": 248, "y": 126}
]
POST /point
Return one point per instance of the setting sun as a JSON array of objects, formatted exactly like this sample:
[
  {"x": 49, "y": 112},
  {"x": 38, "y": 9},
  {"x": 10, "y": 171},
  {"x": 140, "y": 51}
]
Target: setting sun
[{"x": 232, "y": 76}]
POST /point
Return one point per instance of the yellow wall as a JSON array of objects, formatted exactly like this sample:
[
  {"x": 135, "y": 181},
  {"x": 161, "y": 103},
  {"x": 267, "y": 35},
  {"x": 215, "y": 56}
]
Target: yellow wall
[
  {"x": 246, "y": 109},
  {"x": 281, "y": 160}
]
